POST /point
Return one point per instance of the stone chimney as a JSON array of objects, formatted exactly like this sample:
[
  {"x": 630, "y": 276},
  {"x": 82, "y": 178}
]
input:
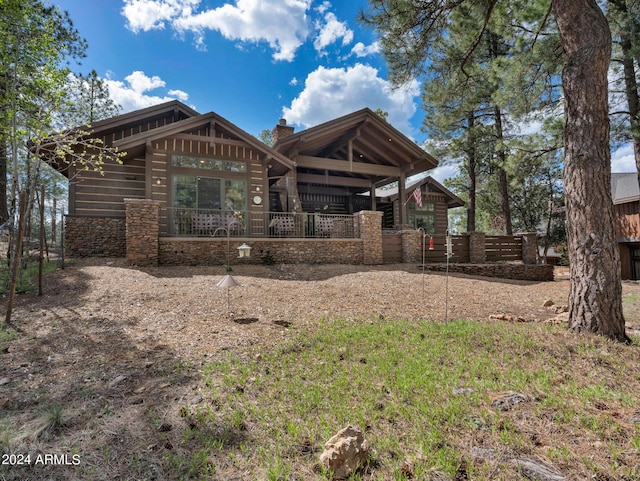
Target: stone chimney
[{"x": 281, "y": 131}]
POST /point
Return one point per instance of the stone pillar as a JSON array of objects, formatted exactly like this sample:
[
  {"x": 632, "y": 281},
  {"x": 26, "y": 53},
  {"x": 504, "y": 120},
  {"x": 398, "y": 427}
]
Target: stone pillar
[
  {"x": 143, "y": 231},
  {"x": 529, "y": 248},
  {"x": 477, "y": 251},
  {"x": 370, "y": 225},
  {"x": 412, "y": 246}
]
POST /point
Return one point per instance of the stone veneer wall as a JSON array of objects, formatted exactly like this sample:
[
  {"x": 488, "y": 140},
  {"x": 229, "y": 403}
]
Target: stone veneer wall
[
  {"x": 95, "y": 236},
  {"x": 477, "y": 251},
  {"x": 143, "y": 231},
  {"x": 522, "y": 272},
  {"x": 530, "y": 248},
  {"x": 370, "y": 227},
  {"x": 207, "y": 251}
]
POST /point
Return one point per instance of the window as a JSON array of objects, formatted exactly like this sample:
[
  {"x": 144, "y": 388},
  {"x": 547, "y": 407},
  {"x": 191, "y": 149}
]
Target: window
[
  {"x": 424, "y": 217},
  {"x": 208, "y": 164},
  {"x": 219, "y": 187}
]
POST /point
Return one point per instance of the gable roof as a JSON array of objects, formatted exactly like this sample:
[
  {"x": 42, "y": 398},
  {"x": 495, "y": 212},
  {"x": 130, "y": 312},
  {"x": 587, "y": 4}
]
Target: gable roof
[
  {"x": 179, "y": 110},
  {"x": 624, "y": 187},
  {"x": 432, "y": 185},
  {"x": 135, "y": 144},
  {"x": 373, "y": 141}
]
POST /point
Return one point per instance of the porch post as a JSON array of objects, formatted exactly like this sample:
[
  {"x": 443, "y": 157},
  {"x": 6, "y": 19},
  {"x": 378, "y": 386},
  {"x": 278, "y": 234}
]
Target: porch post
[
  {"x": 373, "y": 197},
  {"x": 401, "y": 198}
]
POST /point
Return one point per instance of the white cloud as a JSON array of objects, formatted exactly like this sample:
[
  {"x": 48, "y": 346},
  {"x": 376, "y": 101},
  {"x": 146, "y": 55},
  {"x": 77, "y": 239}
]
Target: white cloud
[
  {"x": 282, "y": 24},
  {"x": 323, "y": 7},
  {"x": 623, "y": 160},
  {"x": 179, "y": 94},
  {"x": 148, "y": 15},
  {"x": 293, "y": 81},
  {"x": 444, "y": 172},
  {"x": 133, "y": 93},
  {"x": 362, "y": 50},
  {"x": 330, "y": 93},
  {"x": 331, "y": 32},
  {"x": 140, "y": 83}
]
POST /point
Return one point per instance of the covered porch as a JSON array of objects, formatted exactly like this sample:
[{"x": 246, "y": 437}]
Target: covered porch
[{"x": 341, "y": 163}]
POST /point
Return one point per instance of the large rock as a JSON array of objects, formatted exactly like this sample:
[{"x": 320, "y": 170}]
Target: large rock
[{"x": 345, "y": 452}]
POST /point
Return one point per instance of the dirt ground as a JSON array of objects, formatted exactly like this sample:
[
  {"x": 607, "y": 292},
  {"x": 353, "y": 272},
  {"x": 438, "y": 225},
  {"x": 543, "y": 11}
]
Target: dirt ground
[
  {"x": 115, "y": 344},
  {"x": 182, "y": 309}
]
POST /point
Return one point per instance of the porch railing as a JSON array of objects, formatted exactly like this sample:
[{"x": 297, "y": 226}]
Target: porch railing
[{"x": 220, "y": 223}]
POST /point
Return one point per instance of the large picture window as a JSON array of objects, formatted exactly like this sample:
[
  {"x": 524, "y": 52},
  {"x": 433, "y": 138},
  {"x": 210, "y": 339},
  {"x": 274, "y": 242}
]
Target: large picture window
[
  {"x": 197, "y": 192},
  {"x": 208, "y": 184},
  {"x": 424, "y": 217}
]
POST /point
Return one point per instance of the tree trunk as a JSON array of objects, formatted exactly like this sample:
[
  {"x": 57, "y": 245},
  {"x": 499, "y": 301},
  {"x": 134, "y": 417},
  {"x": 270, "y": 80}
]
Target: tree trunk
[
  {"x": 502, "y": 173},
  {"x": 4, "y": 211},
  {"x": 595, "y": 297},
  {"x": 471, "y": 172}
]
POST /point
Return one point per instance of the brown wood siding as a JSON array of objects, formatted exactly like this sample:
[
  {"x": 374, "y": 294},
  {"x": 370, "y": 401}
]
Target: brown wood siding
[
  {"x": 138, "y": 127},
  {"x": 96, "y": 194},
  {"x": 627, "y": 219},
  {"x": 441, "y": 211},
  {"x": 257, "y": 187}
]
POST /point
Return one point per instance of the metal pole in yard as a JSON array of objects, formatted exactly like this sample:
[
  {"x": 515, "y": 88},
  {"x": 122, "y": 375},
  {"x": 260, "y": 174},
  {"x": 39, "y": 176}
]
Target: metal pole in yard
[{"x": 446, "y": 289}]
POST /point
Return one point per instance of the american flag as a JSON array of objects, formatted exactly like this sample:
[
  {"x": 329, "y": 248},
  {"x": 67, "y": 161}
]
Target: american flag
[{"x": 417, "y": 196}]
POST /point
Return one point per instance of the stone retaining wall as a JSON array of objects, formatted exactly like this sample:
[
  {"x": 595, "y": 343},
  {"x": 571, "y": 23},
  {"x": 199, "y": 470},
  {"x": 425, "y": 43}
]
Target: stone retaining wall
[
  {"x": 95, "y": 236},
  {"x": 522, "y": 272},
  {"x": 207, "y": 251}
]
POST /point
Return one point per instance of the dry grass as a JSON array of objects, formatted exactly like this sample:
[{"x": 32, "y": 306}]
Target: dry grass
[{"x": 146, "y": 365}]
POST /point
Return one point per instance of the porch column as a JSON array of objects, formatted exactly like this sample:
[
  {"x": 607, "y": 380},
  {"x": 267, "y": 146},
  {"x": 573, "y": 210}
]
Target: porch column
[
  {"x": 142, "y": 231},
  {"x": 401, "y": 196},
  {"x": 372, "y": 193}
]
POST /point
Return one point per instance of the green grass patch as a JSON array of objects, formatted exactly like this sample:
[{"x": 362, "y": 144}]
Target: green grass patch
[
  {"x": 28, "y": 277},
  {"x": 399, "y": 382}
]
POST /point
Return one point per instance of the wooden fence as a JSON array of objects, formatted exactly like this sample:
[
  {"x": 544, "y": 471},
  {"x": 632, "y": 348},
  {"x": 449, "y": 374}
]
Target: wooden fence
[
  {"x": 412, "y": 246},
  {"x": 503, "y": 248}
]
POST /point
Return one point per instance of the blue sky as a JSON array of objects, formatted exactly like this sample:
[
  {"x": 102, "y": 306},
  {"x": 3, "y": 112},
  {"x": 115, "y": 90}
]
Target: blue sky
[{"x": 251, "y": 61}]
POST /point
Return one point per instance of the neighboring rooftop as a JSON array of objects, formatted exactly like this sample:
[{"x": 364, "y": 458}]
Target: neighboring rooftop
[{"x": 624, "y": 187}]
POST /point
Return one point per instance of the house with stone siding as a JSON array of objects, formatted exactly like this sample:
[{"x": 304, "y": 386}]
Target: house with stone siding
[{"x": 191, "y": 183}]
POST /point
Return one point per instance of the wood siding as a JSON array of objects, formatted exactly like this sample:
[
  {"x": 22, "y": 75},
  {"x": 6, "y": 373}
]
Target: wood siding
[
  {"x": 441, "y": 210},
  {"x": 149, "y": 176},
  {"x": 93, "y": 194},
  {"x": 627, "y": 218}
]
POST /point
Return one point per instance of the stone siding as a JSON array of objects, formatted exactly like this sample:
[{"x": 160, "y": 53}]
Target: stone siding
[
  {"x": 477, "y": 252},
  {"x": 522, "y": 272},
  {"x": 370, "y": 228},
  {"x": 529, "y": 248},
  {"x": 143, "y": 231},
  {"x": 95, "y": 236},
  {"x": 207, "y": 251}
]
